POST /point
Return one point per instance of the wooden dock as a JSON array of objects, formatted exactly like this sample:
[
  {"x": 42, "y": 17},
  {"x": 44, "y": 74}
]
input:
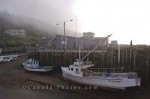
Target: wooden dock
[{"x": 131, "y": 59}]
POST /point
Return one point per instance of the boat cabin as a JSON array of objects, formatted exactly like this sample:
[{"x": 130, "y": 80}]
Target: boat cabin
[
  {"x": 75, "y": 70},
  {"x": 78, "y": 68},
  {"x": 32, "y": 63}
]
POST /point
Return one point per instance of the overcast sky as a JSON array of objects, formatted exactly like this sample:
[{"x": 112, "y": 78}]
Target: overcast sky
[
  {"x": 125, "y": 19},
  {"x": 49, "y": 10}
]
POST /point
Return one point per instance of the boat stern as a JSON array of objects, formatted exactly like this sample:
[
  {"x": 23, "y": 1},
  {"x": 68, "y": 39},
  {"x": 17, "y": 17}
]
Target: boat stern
[{"x": 138, "y": 81}]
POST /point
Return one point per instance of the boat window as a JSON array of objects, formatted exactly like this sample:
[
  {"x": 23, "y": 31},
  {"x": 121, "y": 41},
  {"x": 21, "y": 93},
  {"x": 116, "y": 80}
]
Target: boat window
[
  {"x": 71, "y": 69},
  {"x": 77, "y": 69},
  {"x": 5, "y": 57}
]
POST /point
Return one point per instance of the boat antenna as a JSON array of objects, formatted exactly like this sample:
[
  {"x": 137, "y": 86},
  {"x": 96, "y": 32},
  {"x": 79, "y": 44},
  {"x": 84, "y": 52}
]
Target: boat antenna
[
  {"x": 118, "y": 54},
  {"x": 79, "y": 54},
  {"x": 96, "y": 47}
]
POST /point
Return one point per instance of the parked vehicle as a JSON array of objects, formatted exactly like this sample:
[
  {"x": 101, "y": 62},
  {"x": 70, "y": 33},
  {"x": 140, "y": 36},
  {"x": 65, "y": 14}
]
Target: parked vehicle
[{"x": 8, "y": 58}]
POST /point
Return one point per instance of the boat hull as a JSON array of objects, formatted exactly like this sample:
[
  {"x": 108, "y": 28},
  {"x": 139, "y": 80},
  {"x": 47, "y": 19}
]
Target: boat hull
[
  {"x": 117, "y": 83},
  {"x": 41, "y": 69},
  {"x": 38, "y": 69}
]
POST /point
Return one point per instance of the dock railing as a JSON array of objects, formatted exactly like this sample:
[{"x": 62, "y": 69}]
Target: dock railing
[{"x": 114, "y": 70}]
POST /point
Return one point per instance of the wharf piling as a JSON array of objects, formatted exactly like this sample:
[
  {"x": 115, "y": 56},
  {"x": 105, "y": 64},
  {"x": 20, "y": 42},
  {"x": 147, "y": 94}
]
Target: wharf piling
[{"x": 131, "y": 59}]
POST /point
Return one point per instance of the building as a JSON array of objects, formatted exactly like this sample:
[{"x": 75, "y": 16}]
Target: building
[
  {"x": 114, "y": 43},
  {"x": 59, "y": 43},
  {"x": 88, "y": 35},
  {"x": 44, "y": 42},
  {"x": 16, "y": 32},
  {"x": 88, "y": 41}
]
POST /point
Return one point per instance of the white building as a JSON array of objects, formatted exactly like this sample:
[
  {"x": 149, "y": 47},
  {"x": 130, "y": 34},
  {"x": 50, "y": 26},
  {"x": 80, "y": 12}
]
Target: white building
[
  {"x": 16, "y": 32},
  {"x": 114, "y": 43},
  {"x": 88, "y": 35}
]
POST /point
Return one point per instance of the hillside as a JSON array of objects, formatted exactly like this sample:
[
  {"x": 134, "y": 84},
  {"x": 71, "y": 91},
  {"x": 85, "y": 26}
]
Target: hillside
[{"x": 34, "y": 28}]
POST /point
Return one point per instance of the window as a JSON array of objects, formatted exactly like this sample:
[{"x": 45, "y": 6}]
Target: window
[
  {"x": 71, "y": 69},
  {"x": 77, "y": 70}
]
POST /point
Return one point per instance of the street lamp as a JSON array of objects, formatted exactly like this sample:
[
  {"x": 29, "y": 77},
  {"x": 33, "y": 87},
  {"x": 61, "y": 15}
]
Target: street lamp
[
  {"x": 65, "y": 39},
  {"x": 65, "y": 34}
]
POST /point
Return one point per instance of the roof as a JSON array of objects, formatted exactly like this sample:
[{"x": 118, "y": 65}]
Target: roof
[
  {"x": 98, "y": 38},
  {"x": 88, "y": 33}
]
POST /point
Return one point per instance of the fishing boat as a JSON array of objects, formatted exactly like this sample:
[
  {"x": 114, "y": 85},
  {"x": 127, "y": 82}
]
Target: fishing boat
[
  {"x": 83, "y": 73},
  {"x": 33, "y": 65},
  {"x": 79, "y": 72}
]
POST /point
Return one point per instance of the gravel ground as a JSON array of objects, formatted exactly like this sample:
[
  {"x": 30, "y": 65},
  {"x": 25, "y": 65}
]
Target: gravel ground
[{"x": 16, "y": 83}]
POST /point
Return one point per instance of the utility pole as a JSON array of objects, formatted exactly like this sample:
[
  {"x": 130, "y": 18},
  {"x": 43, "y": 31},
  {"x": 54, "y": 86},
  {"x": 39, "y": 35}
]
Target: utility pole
[
  {"x": 64, "y": 40},
  {"x": 65, "y": 37}
]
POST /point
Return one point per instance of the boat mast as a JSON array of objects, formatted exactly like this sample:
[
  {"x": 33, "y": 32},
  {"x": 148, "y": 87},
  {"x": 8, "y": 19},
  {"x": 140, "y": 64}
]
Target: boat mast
[
  {"x": 79, "y": 54},
  {"x": 118, "y": 55},
  {"x": 122, "y": 68},
  {"x": 95, "y": 47}
]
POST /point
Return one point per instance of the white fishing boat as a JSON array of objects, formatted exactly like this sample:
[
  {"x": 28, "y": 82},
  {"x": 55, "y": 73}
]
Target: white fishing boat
[
  {"x": 33, "y": 65},
  {"x": 81, "y": 72}
]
